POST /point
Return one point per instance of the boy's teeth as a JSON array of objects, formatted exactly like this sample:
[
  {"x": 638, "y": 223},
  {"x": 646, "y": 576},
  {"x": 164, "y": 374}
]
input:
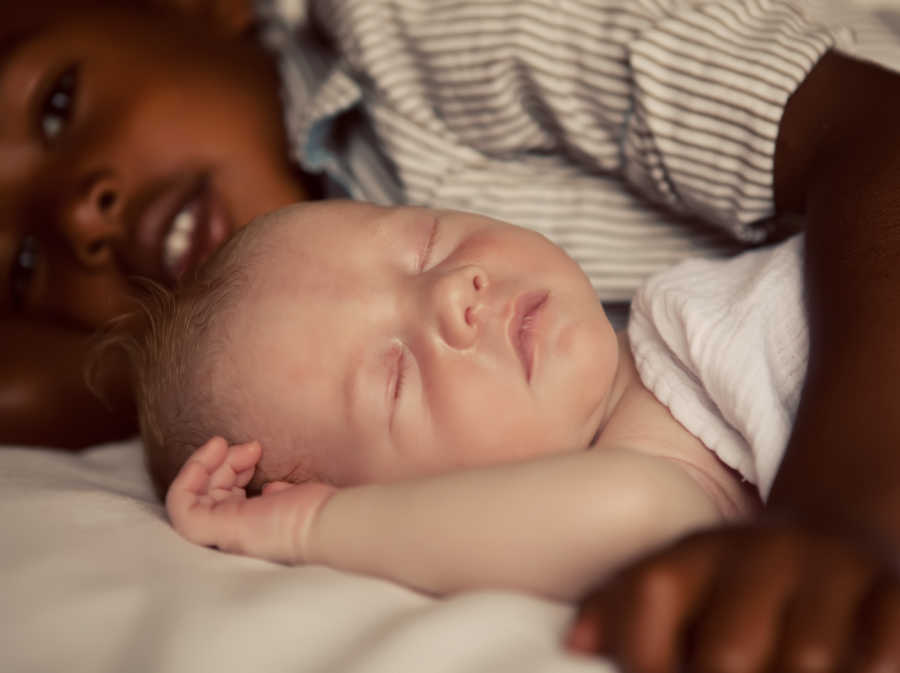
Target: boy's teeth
[{"x": 178, "y": 241}]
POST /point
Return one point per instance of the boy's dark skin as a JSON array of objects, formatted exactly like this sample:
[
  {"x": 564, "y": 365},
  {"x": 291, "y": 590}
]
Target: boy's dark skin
[
  {"x": 162, "y": 101},
  {"x": 780, "y": 595},
  {"x": 814, "y": 586}
]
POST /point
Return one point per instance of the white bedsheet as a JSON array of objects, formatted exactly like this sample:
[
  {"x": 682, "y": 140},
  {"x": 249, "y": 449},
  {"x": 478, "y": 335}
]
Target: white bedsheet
[{"x": 92, "y": 578}]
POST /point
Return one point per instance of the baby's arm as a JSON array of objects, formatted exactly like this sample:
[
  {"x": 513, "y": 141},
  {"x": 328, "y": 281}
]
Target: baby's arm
[{"x": 553, "y": 526}]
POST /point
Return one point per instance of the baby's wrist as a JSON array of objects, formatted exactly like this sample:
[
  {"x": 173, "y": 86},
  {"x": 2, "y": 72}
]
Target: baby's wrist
[{"x": 315, "y": 496}]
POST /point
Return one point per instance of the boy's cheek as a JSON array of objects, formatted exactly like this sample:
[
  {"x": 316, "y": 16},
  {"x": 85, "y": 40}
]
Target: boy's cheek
[{"x": 86, "y": 301}]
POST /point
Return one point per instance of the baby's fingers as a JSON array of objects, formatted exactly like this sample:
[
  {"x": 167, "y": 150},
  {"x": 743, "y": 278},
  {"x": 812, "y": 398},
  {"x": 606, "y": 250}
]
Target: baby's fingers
[
  {"x": 193, "y": 478},
  {"x": 276, "y": 486},
  {"x": 213, "y": 474},
  {"x": 235, "y": 471}
]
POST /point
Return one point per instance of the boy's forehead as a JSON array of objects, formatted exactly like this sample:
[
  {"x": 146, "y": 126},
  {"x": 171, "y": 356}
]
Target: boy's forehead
[
  {"x": 21, "y": 14},
  {"x": 26, "y": 17},
  {"x": 14, "y": 16}
]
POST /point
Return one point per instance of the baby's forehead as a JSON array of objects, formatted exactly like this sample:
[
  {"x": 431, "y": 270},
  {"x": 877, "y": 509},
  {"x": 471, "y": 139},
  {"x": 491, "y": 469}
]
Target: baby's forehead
[
  {"x": 321, "y": 234},
  {"x": 312, "y": 216}
]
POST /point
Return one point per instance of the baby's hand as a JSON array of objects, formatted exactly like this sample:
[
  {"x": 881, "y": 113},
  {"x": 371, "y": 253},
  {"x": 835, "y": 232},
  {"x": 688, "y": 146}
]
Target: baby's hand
[{"x": 208, "y": 505}]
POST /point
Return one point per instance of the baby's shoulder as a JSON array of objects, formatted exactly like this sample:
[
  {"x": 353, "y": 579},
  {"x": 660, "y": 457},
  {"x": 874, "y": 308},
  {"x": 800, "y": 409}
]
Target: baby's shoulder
[{"x": 641, "y": 423}]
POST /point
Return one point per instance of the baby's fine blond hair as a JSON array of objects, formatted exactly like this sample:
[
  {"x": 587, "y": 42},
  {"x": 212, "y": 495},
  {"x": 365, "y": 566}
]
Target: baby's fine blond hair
[{"x": 180, "y": 361}]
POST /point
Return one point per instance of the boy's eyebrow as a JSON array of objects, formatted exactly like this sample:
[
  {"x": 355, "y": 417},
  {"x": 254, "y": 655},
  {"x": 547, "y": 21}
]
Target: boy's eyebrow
[{"x": 12, "y": 43}]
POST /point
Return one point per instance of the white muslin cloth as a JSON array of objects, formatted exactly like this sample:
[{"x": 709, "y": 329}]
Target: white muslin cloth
[{"x": 724, "y": 345}]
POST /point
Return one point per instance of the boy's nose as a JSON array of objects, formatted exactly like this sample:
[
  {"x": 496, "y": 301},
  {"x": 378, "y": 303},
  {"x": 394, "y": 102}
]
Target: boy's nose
[
  {"x": 459, "y": 300},
  {"x": 90, "y": 220}
]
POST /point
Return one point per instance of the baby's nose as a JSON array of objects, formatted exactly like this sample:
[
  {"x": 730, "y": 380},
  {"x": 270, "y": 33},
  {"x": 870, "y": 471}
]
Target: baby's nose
[{"x": 459, "y": 301}]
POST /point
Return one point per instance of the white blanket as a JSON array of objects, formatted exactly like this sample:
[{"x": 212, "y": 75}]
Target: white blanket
[
  {"x": 724, "y": 344},
  {"x": 93, "y": 579}
]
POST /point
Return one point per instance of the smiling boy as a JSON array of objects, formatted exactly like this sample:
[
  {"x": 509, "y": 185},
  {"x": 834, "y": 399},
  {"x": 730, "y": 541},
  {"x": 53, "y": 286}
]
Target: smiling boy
[{"x": 126, "y": 133}]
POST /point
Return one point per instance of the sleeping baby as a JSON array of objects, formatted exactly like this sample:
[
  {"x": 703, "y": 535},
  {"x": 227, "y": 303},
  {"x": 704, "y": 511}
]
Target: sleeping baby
[{"x": 432, "y": 397}]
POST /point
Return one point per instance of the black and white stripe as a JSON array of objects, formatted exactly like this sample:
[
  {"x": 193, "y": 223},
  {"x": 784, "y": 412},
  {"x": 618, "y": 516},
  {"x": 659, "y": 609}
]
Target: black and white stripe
[{"x": 534, "y": 111}]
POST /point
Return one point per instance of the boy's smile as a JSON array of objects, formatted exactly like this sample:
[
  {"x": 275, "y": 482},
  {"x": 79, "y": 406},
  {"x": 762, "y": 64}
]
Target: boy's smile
[
  {"x": 383, "y": 343},
  {"x": 179, "y": 228},
  {"x": 134, "y": 141}
]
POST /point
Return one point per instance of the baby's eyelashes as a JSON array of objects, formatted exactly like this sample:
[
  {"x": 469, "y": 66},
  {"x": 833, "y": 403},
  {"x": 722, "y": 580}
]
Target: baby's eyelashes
[{"x": 425, "y": 256}]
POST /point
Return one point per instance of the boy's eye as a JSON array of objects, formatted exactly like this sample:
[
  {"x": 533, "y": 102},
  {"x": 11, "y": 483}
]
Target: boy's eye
[
  {"x": 22, "y": 271},
  {"x": 56, "y": 110}
]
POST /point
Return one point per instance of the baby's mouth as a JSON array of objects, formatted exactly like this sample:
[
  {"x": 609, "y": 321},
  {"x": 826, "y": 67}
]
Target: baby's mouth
[{"x": 522, "y": 325}]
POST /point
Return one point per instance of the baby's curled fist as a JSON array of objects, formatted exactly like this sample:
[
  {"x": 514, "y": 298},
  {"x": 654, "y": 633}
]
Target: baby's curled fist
[{"x": 208, "y": 504}]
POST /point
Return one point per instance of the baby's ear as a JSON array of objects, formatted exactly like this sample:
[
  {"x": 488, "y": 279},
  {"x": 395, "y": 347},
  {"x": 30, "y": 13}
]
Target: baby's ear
[{"x": 229, "y": 17}]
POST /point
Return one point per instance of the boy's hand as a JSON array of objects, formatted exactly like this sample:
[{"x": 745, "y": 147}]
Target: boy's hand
[
  {"x": 768, "y": 597},
  {"x": 208, "y": 505}
]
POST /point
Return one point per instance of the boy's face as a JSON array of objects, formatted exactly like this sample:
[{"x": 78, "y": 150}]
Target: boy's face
[
  {"x": 132, "y": 142},
  {"x": 389, "y": 343}
]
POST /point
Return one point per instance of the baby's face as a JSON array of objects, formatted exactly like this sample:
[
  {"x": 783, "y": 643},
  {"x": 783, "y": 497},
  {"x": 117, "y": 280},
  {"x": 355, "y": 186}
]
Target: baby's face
[{"x": 389, "y": 343}]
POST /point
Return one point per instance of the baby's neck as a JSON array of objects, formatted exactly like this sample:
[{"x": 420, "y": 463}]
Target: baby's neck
[{"x": 625, "y": 380}]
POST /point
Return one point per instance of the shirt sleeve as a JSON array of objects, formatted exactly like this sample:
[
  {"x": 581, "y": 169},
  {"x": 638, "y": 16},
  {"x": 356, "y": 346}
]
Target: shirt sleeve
[
  {"x": 709, "y": 86},
  {"x": 682, "y": 99}
]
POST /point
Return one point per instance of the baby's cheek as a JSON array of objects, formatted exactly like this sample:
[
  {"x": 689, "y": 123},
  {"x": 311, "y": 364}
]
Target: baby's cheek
[{"x": 586, "y": 351}]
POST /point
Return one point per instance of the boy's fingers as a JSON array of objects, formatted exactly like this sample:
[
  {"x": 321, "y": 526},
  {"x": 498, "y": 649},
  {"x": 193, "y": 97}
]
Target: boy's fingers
[
  {"x": 877, "y": 647},
  {"x": 641, "y": 615},
  {"x": 586, "y": 634},
  {"x": 819, "y": 625},
  {"x": 663, "y": 600},
  {"x": 739, "y": 625}
]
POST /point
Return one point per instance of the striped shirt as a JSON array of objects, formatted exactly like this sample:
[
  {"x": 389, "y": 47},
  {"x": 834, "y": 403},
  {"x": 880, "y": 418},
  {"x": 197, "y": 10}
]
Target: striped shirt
[{"x": 633, "y": 133}]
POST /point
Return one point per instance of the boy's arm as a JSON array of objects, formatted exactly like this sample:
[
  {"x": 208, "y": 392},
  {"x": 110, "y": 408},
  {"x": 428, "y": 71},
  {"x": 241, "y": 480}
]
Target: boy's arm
[
  {"x": 43, "y": 396},
  {"x": 551, "y": 526},
  {"x": 815, "y": 587},
  {"x": 840, "y": 163}
]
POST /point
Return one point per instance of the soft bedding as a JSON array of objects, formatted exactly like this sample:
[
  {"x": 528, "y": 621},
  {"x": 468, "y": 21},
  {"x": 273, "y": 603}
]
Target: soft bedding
[{"x": 93, "y": 578}]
